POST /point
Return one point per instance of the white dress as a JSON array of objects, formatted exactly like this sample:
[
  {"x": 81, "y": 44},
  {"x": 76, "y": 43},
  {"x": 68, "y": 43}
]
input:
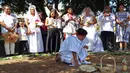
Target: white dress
[
  {"x": 73, "y": 44},
  {"x": 95, "y": 43},
  {"x": 35, "y": 39},
  {"x": 71, "y": 26}
]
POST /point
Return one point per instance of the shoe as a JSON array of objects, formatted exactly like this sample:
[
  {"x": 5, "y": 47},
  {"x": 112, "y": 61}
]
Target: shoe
[
  {"x": 126, "y": 50},
  {"x": 71, "y": 65},
  {"x": 85, "y": 62},
  {"x": 120, "y": 50}
]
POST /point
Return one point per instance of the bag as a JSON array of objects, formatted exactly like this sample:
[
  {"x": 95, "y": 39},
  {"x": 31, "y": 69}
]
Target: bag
[
  {"x": 107, "y": 69},
  {"x": 10, "y": 37}
]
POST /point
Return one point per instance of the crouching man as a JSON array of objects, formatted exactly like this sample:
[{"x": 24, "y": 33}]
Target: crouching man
[{"x": 72, "y": 50}]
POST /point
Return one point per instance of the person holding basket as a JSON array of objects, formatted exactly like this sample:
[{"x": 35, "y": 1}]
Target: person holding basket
[{"x": 8, "y": 22}]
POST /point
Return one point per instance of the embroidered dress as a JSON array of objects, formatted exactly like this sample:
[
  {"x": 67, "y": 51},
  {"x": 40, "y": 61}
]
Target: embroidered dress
[{"x": 122, "y": 34}]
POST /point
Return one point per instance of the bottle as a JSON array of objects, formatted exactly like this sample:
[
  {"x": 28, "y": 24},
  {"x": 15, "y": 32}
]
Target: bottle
[{"x": 124, "y": 65}]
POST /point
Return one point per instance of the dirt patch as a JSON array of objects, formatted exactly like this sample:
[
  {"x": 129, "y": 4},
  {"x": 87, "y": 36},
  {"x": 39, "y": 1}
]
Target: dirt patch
[{"x": 48, "y": 65}]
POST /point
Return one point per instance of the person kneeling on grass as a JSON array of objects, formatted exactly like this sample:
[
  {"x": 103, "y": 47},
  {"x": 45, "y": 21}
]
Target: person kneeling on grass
[{"x": 72, "y": 50}]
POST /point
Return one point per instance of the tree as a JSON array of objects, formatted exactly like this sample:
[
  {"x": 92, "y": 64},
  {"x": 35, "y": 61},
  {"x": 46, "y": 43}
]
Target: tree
[{"x": 78, "y": 5}]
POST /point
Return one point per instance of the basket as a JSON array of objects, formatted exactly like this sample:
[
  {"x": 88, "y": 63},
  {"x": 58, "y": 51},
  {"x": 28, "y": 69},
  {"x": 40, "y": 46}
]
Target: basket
[
  {"x": 10, "y": 37},
  {"x": 107, "y": 69},
  {"x": 88, "y": 68}
]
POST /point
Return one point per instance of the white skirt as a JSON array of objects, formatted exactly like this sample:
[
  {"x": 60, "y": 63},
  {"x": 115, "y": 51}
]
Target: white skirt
[{"x": 35, "y": 41}]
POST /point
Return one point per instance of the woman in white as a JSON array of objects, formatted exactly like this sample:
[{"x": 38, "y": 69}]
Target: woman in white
[
  {"x": 88, "y": 21},
  {"x": 70, "y": 23},
  {"x": 8, "y": 21},
  {"x": 35, "y": 37}
]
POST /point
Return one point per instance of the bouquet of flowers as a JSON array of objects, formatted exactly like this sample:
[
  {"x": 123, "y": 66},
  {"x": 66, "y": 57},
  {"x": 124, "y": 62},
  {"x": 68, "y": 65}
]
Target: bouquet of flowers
[{"x": 38, "y": 23}]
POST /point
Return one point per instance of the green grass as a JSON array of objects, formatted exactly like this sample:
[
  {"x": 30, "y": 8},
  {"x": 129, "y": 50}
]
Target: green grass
[
  {"x": 53, "y": 54},
  {"x": 112, "y": 53},
  {"x": 27, "y": 55}
]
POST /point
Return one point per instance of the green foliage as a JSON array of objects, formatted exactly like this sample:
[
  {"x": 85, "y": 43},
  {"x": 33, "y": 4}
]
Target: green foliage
[
  {"x": 78, "y": 5},
  {"x": 22, "y": 5}
]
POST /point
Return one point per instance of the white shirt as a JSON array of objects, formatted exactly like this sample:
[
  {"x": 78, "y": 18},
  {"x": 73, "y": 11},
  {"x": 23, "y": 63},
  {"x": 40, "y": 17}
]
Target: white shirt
[
  {"x": 107, "y": 23},
  {"x": 22, "y": 33},
  {"x": 66, "y": 17},
  {"x": 73, "y": 44},
  {"x": 9, "y": 20}
]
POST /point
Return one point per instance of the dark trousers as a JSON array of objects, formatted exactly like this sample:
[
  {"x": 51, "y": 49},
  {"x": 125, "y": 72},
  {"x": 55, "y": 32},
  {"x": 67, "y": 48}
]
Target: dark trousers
[
  {"x": 23, "y": 47},
  {"x": 107, "y": 38},
  {"x": 53, "y": 40},
  {"x": 44, "y": 37}
]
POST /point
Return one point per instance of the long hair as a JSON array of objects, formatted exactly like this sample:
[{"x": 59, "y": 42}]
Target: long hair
[{"x": 56, "y": 13}]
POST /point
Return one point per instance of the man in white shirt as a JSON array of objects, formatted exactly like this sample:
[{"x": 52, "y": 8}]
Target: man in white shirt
[
  {"x": 72, "y": 50},
  {"x": 8, "y": 23}
]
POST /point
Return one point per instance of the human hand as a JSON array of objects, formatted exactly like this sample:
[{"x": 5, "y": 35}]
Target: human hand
[
  {"x": 106, "y": 14},
  {"x": 86, "y": 47},
  {"x": 10, "y": 30}
]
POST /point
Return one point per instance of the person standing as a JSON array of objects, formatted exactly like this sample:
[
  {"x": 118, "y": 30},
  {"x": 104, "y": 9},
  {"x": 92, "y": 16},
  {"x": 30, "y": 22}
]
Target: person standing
[
  {"x": 122, "y": 18},
  {"x": 88, "y": 22},
  {"x": 8, "y": 22},
  {"x": 53, "y": 33},
  {"x": 70, "y": 23},
  {"x": 23, "y": 39},
  {"x": 32, "y": 21},
  {"x": 107, "y": 23}
]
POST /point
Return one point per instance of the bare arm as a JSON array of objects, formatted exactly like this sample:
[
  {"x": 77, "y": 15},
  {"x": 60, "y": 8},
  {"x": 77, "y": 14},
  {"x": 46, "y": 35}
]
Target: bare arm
[
  {"x": 26, "y": 22},
  {"x": 5, "y": 26},
  {"x": 51, "y": 24},
  {"x": 46, "y": 23},
  {"x": 75, "y": 58},
  {"x": 14, "y": 27}
]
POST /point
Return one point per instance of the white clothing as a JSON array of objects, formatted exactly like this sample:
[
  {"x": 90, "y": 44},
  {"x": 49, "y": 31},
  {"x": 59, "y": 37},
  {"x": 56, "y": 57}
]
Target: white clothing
[
  {"x": 51, "y": 21},
  {"x": 71, "y": 26},
  {"x": 9, "y": 20},
  {"x": 73, "y": 44},
  {"x": 35, "y": 39},
  {"x": 107, "y": 23},
  {"x": 22, "y": 33},
  {"x": 95, "y": 43},
  {"x": 66, "y": 17},
  {"x": 9, "y": 48}
]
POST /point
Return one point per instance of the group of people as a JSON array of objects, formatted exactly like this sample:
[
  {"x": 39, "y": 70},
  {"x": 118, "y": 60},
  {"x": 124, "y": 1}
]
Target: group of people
[
  {"x": 29, "y": 36},
  {"x": 73, "y": 49},
  {"x": 68, "y": 34}
]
